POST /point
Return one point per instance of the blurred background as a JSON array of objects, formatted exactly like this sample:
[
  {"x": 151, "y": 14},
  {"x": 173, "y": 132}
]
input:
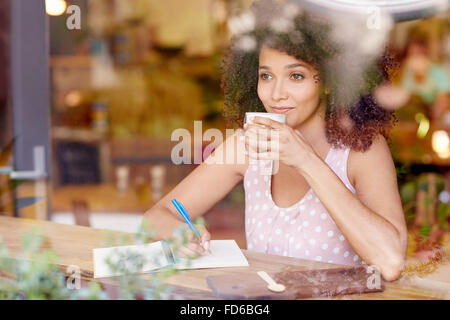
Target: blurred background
[{"x": 91, "y": 91}]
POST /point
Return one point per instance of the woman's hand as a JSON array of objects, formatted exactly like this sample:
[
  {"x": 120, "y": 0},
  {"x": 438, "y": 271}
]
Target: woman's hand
[
  {"x": 196, "y": 246},
  {"x": 276, "y": 141}
]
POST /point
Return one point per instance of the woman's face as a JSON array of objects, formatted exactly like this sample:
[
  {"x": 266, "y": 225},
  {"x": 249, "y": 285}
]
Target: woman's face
[{"x": 288, "y": 85}]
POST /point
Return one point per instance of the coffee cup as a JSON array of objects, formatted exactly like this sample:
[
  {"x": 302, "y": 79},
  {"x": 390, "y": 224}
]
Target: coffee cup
[{"x": 249, "y": 116}]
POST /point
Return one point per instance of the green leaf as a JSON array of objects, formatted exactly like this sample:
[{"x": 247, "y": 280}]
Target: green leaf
[
  {"x": 144, "y": 233},
  {"x": 32, "y": 241},
  {"x": 425, "y": 230},
  {"x": 422, "y": 183},
  {"x": 37, "y": 276},
  {"x": 401, "y": 171},
  {"x": 443, "y": 212},
  {"x": 428, "y": 201},
  {"x": 408, "y": 192}
]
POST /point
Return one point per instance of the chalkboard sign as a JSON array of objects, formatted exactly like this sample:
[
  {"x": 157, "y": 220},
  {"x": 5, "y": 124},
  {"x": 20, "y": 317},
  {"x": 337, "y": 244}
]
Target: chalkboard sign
[{"x": 78, "y": 163}]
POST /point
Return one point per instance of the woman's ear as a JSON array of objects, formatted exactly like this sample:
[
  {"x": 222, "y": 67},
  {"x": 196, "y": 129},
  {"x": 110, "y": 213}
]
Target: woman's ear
[
  {"x": 316, "y": 78},
  {"x": 324, "y": 90}
]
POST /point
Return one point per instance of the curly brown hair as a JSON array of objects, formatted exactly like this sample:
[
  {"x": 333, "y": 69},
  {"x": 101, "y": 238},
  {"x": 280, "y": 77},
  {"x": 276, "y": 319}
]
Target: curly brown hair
[{"x": 308, "y": 39}]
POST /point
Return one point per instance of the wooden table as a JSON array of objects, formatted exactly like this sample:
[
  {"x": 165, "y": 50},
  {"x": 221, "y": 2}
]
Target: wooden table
[{"x": 74, "y": 246}]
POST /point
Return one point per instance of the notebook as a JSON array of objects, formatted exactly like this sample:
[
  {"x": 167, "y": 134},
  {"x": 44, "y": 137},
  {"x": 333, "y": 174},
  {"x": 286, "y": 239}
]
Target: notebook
[{"x": 224, "y": 253}]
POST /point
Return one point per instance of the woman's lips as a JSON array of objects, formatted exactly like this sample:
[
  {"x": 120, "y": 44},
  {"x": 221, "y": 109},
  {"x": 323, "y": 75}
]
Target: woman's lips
[{"x": 281, "y": 109}]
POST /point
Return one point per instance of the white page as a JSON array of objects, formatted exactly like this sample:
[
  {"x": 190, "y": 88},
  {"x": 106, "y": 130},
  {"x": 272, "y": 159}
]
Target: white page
[
  {"x": 224, "y": 253},
  {"x": 154, "y": 250}
]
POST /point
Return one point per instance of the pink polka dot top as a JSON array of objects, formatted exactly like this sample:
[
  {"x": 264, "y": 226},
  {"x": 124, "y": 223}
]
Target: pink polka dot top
[{"x": 304, "y": 230}]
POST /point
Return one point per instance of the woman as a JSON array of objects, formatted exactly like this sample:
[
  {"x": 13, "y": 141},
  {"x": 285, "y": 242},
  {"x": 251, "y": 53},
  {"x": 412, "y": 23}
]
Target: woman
[{"x": 334, "y": 197}]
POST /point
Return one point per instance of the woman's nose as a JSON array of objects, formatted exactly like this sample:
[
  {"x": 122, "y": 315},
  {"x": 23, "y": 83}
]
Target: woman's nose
[{"x": 278, "y": 91}]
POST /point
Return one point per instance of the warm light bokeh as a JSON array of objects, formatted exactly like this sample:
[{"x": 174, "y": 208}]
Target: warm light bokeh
[
  {"x": 441, "y": 144},
  {"x": 55, "y": 7}
]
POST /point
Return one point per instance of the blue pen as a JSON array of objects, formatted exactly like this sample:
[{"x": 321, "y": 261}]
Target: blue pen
[{"x": 185, "y": 216}]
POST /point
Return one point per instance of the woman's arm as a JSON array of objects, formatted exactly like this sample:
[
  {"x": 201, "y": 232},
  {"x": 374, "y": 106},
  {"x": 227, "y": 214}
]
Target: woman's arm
[
  {"x": 373, "y": 220},
  {"x": 200, "y": 190}
]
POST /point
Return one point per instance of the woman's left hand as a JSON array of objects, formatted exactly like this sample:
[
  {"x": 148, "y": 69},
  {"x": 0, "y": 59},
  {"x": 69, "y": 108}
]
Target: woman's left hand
[{"x": 276, "y": 141}]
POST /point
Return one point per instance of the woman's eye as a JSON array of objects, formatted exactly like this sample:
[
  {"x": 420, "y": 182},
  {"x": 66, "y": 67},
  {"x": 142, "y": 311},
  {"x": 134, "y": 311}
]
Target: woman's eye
[
  {"x": 265, "y": 76},
  {"x": 296, "y": 76}
]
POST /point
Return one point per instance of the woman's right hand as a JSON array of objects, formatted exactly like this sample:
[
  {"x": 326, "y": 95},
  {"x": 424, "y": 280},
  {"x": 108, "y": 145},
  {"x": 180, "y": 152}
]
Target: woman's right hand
[{"x": 195, "y": 246}]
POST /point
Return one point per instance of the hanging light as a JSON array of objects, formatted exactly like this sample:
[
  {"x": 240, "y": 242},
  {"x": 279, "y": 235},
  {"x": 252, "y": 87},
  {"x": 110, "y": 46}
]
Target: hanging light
[
  {"x": 440, "y": 143},
  {"x": 55, "y": 7}
]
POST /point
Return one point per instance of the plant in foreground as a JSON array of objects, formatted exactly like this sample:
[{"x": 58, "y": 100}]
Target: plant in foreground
[{"x": 34, "y": 273}]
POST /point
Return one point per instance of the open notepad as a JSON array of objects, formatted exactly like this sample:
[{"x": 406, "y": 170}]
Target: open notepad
[{"x": 224, "y": 253}]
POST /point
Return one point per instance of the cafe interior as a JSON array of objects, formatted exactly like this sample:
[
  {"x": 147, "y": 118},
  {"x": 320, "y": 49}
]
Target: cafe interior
[{"x": 124, "y": 74}]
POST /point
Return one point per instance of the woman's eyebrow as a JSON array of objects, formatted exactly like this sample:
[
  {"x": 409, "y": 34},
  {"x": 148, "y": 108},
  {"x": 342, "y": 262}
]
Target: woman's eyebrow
[
  {"x": 289, "y": 66},
  {"x": 293, "y": 65}
]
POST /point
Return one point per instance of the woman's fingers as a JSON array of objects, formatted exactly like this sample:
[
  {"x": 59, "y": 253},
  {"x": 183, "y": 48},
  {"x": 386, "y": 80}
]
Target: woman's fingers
[
  {"x": 257, "y": 139},
  {"x": 268, "y": 122},
  {"x": 262, "y": 134},
  {"x": 185, "y": 252},
  {"x": 266, "y": 156},
  {"x": 252, "y": 146},
  {"x": 205, "y": 238},
  {"x": 257, "y": 131},
  {"x": 192, "y": 250},
  {"x": 255, "y": 146},
  {"x": 196, "y": 246}
]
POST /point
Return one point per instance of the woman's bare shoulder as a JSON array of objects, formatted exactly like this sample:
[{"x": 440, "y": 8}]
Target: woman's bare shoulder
[
  {"x": 377, "y": 157},
  {"x": 376, "y": 184}
]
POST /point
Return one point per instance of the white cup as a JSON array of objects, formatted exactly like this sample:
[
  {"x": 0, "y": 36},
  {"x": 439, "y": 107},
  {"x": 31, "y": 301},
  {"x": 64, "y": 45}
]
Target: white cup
[
  {"x": 249, "y": 116},
  {"x": 276, "y": 117}
]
